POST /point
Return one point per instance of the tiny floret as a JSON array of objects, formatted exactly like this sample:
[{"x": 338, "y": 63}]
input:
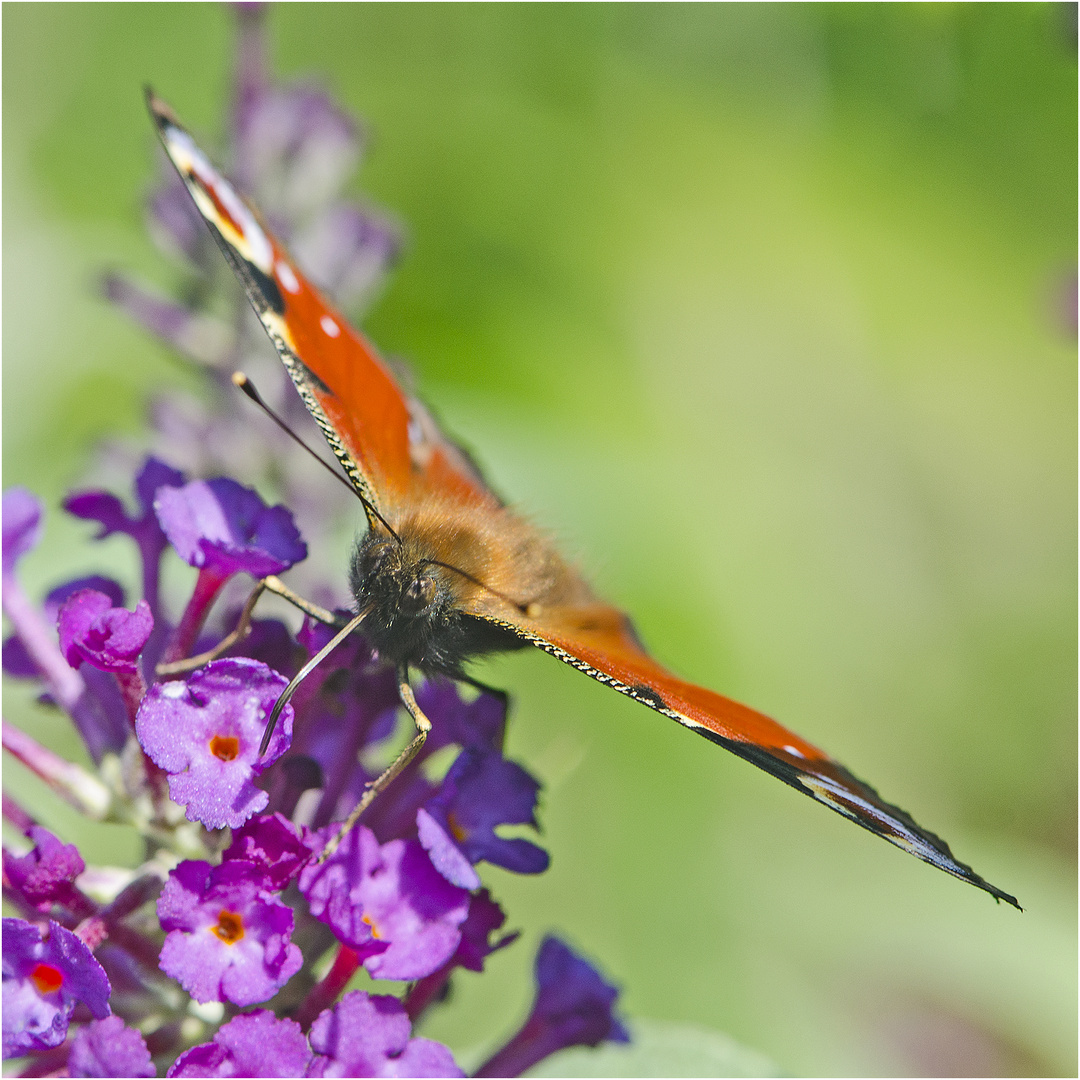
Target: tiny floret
[
  {"x": 44, "y": 979},
  {"x": 368, "y": 1035},
  {"x": 205, "y": 734},
  {"x": 228, "y": 938}
]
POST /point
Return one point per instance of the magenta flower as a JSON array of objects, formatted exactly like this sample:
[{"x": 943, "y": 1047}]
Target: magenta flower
[
  {"x": 272, "y": 843},
  {"x": 228, "y": 937},
  {"x": 224, "y": 526},
  {"x": 387, "y": 902},
  {"x": 205, "y": 732},
  {"x": 368, "y": 1035},
  {"x": 45, "y": 875},
  {"x": 109, "y": 1048},
  {"x": 253, "y": 1044},
  {"x": 106, "y": 637},
  {"x": 43, "y": 980},
  {"x": 481, "y": 791},
  {"x": 573, "y": 1007}
]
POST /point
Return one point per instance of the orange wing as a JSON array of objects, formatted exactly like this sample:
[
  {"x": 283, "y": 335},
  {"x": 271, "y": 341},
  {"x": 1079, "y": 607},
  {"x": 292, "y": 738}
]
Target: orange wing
[
  {"x": 386, "y": 442},
  {"x": 600, "y": 641}
]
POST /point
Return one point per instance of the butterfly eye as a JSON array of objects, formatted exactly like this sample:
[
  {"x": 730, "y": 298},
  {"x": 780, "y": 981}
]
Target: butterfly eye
[{"x": 421, "y": 591}]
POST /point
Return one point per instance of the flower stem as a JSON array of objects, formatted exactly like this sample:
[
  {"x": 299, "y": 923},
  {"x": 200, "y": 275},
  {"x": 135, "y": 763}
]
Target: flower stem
[
  {"x": 325, "y": 993},
  {"x": 207, "y": 586}
]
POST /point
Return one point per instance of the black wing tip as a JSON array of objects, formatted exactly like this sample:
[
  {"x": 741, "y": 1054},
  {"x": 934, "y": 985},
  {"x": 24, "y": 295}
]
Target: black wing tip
[
  {"x": 791, "y": 773},
  {"x": 160, "y": 112}
]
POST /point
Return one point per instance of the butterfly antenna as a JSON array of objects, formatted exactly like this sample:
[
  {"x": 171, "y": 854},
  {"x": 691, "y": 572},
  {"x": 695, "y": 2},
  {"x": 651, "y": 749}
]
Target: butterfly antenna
[
  {"x": 244, "y": 384},
  {"x": 304, "y": 672}
]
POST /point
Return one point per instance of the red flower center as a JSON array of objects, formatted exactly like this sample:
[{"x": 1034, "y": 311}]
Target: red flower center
[
  {"x": 225, "y": 747},
  {"x": 230, "y": 926},
  {"x": 47, "y": 979}
]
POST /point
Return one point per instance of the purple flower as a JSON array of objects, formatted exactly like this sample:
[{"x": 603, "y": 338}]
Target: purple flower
[
  {"x": 17, "y": 660},
  {"x": 44, "y": 876},
  {"x": 387, "y": 902},
  {"x": 476, "y": 945},
  {"x": 205, "y": 734},
  {"x": 106, "y": 637},
  {"x": 228, "y": 937},
  {"x": 109, "y": 1048},
  {"x": 573, "y": 1007},
  {"x": 480, "y": 722},
  {"x": 272, "y": 843},
  {"x": 481, "y": 790},
  {"x": 368, "y": 1035},
  {"x": 43, "y": 981},
  {"x": 106, "y": 509},
  {"x": 222, "y": 525},
  {"x": 253, "y": 1044},
  {"x": 21, "y": 526}
]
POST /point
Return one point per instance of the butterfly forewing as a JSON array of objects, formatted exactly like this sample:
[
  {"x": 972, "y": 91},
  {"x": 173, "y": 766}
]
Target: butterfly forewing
[
  {"x": 387, "y": 444},
  {"x": 400, "y": 461}
]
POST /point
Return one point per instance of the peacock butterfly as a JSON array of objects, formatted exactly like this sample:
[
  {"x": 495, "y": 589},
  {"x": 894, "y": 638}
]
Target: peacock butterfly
[{"x": 446, "y": 571}]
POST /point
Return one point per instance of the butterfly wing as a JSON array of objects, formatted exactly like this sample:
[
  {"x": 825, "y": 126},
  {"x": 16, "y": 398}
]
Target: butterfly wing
[
  {"x": 394, "y": 452},
  {"x": 600, "y": 641},
  {"x": 386, "y": 441}
]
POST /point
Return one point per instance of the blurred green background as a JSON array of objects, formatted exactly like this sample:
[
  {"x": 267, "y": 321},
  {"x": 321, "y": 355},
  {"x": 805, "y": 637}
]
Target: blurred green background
[{"x": 766, "y": 311}]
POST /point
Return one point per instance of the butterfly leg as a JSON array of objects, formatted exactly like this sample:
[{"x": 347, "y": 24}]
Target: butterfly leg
[
  {"x": 394, "y": 769},
  {"x": 243, "y": 625}
]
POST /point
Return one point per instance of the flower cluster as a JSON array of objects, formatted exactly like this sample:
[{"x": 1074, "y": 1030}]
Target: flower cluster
[{"x": 234, "y": 948}]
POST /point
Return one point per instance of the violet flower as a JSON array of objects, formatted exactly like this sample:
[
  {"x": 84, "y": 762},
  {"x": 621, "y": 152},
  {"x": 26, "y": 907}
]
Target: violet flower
[
  {"x": 108, "y": 511},
  {"x": 223, "y": 528},
  {"x": 43, "y": 980},
  {"x": 387, "y": 902},
  {"x": 109, "y": 1048},
  {"x": 21, "y": 526},
  {"x": 368, "y": 1035},
  {"x": 272, "y": 843},
  {"x": 481, "y": 790},
  {"x": 573, "y": 1007},
  {"x": 252, "y": 1044},
  {"x": 223, "y": 525},
  {"x": 229, "y": 939},
  {"x": 205, "y": 733},
  {"x": 45, "y": 875}
]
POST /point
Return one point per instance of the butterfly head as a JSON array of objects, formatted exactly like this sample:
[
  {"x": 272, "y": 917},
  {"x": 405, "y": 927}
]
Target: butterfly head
[{"x": 410, "y": 597}]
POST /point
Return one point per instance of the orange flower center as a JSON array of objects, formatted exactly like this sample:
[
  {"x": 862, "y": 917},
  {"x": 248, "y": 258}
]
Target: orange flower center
[
  {"x": 225, "y": 747},
  {"x": 367, "y": 919},
  {"x": 47, "y": 979},
  {"x": 230, "y": 927},
  {"x": 456, "y": 830}
]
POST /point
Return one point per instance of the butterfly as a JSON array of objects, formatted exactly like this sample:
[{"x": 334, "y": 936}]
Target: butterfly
[{"x": 446, "y": 570}]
